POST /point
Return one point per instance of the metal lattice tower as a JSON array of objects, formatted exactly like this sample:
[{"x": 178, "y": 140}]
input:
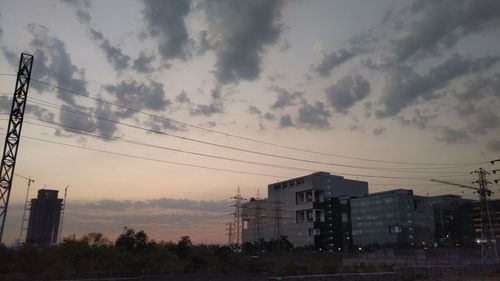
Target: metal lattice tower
[
  {"x": 229, "y": 233},
  {"x": 238, "y": 200},
  {"x": 62, "y": 214},
  {"x": 258, "y": 218},
  {"x": 13, "y": 135}
]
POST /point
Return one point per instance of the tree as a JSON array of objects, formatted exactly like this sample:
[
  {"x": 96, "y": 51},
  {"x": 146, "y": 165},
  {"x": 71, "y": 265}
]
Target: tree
[{"x": 183, "y": 246}]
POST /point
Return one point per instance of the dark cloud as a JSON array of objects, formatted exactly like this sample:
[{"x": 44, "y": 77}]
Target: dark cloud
[
  {"x": 53, "y": 64},
  {"x": 313, "y": 116},
  {"x": 142, "y": 63},
  {"x": 453, "y": 136},
  {"x": 480, "y": 86},
  {"x": 159, "y": 124},
  {"x": 332, "y": 60},
  {"x": 11, "y": 57},
  {"x": 269, "y": 116},
  {"x": 404, "y": 86},
  {"x": 379, "y": 131},
  {"x": 483, "y": 121},
  {"x": 494, "y": 145},
  {"x": 165, "y": 21},
  {"x": 113, "y": 54},
  {"x": 104, "y": 112},
  {"x": 39, "y": 112},
  {"x": 286, "y": 121},
  {"x": 72, "y": 122},
  {"x": 204, "y": 44},
  {"x": 285, "y": 98},
  {"x": 346, "y": 92},
  {"x": 420, "y": 119},
  {"x": 138, "y": 95},
  {"x": 254, "y": 110},
  {"x": 241, "y": 30},
  {"x": 81, "y": 9},
  {"x": 182, "y": 98},
  {"x": 442, "y": 24},
  {"x": 215, "y": 105}
]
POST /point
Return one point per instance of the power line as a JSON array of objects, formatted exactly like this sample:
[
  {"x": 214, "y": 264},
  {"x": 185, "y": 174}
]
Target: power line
[
  {"x": 51, "y": 87},
  {"x": 42, "y": 103}
]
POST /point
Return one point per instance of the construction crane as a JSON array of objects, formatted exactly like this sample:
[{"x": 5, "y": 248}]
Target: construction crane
[
  {"x": 62, "y": 213},
  {"x": 26, "y": 202},
  {"x": 13, "y": 135},
  {"x": 488, "y": 244}
]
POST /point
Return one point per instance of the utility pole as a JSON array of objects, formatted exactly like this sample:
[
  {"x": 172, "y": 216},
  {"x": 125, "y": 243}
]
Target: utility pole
[
  {"x": 62, "y": 213},
  {"x": 488, "y": 240},
  {"x": 13, "y": 135},
  {"x": 26, "y": 203}
]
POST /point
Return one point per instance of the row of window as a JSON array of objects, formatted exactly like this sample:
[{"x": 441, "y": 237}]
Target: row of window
[{"x": 287, "y": 184}]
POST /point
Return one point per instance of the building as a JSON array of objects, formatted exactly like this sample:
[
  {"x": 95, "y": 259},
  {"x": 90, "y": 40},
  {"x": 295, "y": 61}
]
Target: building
[
  {"x": 453, "y": 220},
  {"x": 494, "y": 213},
  {"x": 391, "y": 218},
  {"x": 311, "y": 211},
  {"x": 44, "y": 218}
]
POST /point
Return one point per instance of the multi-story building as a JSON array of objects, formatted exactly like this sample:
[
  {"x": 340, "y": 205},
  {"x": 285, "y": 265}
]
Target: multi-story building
[
  {"x": 311, "y": 210},
  {"x": 392, "y": 217},
  {"x": 44, "y": 218},
  {"x": 494, "y": 214},
  {"x": 453, "y": 220}
]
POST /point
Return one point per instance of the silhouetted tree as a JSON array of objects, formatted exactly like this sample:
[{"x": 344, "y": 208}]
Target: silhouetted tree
[{"x": 183, "y": 246}]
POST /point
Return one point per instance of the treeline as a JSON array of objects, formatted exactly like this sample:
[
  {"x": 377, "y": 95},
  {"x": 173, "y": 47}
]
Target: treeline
[{"x": 134, "y": 253}]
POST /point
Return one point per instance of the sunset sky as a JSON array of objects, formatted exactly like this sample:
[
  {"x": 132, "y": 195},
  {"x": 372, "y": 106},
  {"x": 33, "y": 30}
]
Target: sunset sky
[{"x": 391, "y": 92}]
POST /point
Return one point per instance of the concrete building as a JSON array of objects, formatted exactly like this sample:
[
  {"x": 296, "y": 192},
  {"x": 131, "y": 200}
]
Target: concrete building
[
  {"x": 392, "y": 217},
  {"x": 44, "y": 218},
  {"x": 494, "y": 210},
  {"x": 311, "y": 211},
  {"x": 453, "y": 220}
]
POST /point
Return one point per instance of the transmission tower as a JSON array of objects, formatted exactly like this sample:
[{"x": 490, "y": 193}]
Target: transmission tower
[
  {"x": 26, "y": 208},
  {"x": 238, "y": 200},
  {"x": 229, "y": 233},
  {"x": 488, "y": 239},
  {"x": 13, "y": 135},
  {"x": 277, "y": 220}
]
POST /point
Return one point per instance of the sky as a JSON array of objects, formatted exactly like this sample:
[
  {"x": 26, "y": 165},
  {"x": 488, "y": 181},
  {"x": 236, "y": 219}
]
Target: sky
[{"x": 154, "y": 112}]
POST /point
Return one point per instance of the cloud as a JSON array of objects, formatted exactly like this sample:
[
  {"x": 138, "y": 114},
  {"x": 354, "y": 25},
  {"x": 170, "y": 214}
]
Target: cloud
[
  {"x": 453, "y": 136},
  {"x": 285, "y": 98},
  {"x": 478, "y": 87},
  {"x": 254, "y": 110},
  {"x": 442, "y": 24},
  {"x": 138, "y": 95},
  {"x": 104, "y": 111},
  {"x": 332, "y": 60},
  {"x": 483, "y": 121},
  {"x": 142, "y": 64},
  {"x": 313, "y": 116},
  {"x": 379, "y": 131},
  {"x": 81, "y": 12},
  {"x": 403, "y": 86},
  {"x": 494, "y": 145},
  {"x": 182, "y": 98},
  {"x": 420, "y": 119},
  {"x": 158, "y": 124},
  {"x": 165, "y": 21},
  {"x": 53, "y": 64},
  {"x": 204, "y": 44},
  {"x": 39, "y": 112},
  {"x": 215, "y": 105},
  {"x": 241, "y": 31},
  {"x": 346, "y": 92},
  {"x": 72, "y": 122},
  {"x": 113, "y": 54},
  {"x": 286, "y": 121}
]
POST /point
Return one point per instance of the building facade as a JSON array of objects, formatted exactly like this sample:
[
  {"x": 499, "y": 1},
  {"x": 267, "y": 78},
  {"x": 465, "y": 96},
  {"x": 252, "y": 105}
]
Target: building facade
[
  {"x": 311, "y": 211},
  {"x": 453, "y": 220},
  {"x": 45, "y": 213},
  {"x": 392, "y": 217}
]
